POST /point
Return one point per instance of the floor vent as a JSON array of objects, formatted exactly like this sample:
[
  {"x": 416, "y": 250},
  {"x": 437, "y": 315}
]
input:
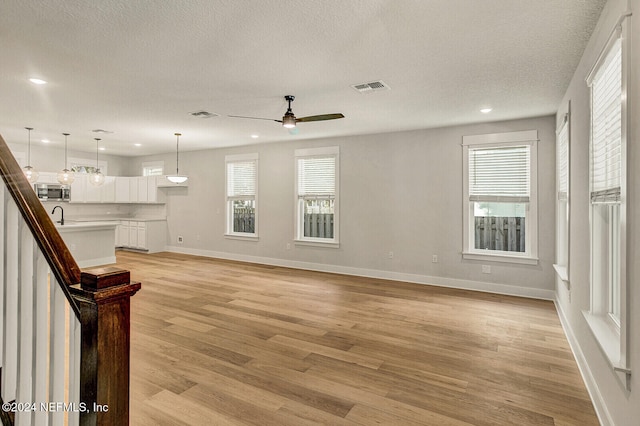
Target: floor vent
[{"x": 373, "y": 86}]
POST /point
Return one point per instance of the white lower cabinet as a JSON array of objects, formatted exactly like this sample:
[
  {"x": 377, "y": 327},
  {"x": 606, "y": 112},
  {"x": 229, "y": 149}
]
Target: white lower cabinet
[{"x": 142, "y": 235}]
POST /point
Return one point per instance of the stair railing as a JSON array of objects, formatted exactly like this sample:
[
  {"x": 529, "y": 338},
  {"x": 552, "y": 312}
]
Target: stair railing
[{"x": 64, "y": 333}]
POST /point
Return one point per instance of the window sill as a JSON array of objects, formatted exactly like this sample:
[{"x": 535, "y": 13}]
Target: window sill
[
  {"x": 609, "y": 341},
  {"x": 523, "y": 260},
  {"x": 249, "y": 237},
  {"x": 314, "y": 243},
  {"x": 562, "y": 272}
]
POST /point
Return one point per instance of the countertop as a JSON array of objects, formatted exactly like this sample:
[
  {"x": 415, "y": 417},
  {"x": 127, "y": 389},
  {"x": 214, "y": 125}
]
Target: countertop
[
  {"x": 115, "y": 218},
  {"x": 75, "y": 226}
]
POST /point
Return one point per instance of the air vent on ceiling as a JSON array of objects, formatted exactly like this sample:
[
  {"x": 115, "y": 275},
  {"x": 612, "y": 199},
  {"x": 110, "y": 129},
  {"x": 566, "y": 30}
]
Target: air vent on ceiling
[
  {"x": 373, "y": 86},
  {"x": 203, "y": 114}
]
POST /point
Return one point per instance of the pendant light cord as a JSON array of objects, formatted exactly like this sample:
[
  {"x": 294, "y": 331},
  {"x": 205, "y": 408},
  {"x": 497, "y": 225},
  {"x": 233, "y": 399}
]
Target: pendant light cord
[
  {"x": 65, "y": 150},
  {"x": 29, "y": 147},
  {"x": 177, "y": 151},
  {"x": 97, "y": 149}
]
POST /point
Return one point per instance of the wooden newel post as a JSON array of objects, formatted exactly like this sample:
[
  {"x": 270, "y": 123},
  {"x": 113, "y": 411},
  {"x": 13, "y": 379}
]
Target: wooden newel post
[{"x": 103, "y": 298}]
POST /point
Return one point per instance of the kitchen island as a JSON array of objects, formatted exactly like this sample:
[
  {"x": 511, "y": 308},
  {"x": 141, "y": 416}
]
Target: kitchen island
[{"x": 90, "y": 243}]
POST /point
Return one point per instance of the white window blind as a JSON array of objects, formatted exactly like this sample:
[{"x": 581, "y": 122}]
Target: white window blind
[
  {"x": 316, "y": 176},
  {"x": 606, "y": 128},
  {"x": 562, "y": 161},
  {"x": 241, "y": 179},
  {"x": 499, "y": 174}
]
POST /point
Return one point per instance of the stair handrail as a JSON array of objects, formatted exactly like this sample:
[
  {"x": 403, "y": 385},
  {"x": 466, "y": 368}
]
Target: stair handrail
[{"x": 62, "y": 264}]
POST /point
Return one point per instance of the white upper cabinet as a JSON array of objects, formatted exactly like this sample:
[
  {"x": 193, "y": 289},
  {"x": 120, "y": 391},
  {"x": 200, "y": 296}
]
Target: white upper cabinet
[{"x": 117, "y": 189}]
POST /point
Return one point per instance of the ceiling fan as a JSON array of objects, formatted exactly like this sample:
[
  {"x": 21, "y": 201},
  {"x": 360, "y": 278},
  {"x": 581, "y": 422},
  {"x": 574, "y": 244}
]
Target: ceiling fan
[{"x": 289, "y": 120}]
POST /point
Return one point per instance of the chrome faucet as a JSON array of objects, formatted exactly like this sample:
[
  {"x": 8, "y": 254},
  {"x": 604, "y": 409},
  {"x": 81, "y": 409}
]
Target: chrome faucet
[{"x": 61, "y": 221}]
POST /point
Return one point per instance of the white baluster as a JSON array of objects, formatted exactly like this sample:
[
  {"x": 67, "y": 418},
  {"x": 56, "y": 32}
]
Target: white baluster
[
  {"x": 57, "y": 368},
  {"x": 10, "y": 349},
  {"x": 25, "y": 322},
  {"x": 2, "y": 269},
  {"x": 41, "y": 331},
  {"x": 74, "y": 368}
]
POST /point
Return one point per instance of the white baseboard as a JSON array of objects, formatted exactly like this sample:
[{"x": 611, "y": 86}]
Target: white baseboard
[
  {"x": 510, "y": 290},
  {"x": 594, "y": 392}
]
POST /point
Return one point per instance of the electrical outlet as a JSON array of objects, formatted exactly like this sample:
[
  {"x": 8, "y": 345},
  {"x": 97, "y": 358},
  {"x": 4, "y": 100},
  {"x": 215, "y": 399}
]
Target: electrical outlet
[
  {"x": 434, "y": 258},
  {"x": 180, "y": 239},
  {"x": 390, "y": 255},
  {"x": 288, "y": 246},
  {"x": 486, "y": 269}
]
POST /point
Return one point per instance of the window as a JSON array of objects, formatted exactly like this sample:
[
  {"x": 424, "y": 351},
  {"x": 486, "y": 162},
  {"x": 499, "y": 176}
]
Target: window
[
  {"x": 82, "y": 165},
  {"x": 242, "y": 202},
  {"x": 607, "y": 158},
  {"x": 317, "y": 195},
  {"x": 500, "y": 197},
  {"x": 153, "y": 168},
  {"x": 562, "y": 201}
]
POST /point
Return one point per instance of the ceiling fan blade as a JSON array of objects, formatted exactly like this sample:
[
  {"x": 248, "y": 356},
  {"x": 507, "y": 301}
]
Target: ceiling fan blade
[
  {"x": 321, "y": 117},
  {"x": 254, "y": 118}
]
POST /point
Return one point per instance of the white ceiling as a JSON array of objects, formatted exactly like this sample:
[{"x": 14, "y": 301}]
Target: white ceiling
[{"x": 138, "y": 68}]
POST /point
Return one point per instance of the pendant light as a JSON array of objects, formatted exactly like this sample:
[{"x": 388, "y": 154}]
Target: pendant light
[
  {"x": 66, "y": 176},
  {"x": 177, "y": 178},
  {"x": 30, "y": 172},
  {"x": 96, "y": 178}
]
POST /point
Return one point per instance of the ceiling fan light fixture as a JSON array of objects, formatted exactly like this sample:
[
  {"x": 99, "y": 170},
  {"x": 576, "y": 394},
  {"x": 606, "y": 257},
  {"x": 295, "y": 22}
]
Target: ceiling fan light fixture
[{"x": 289, "y": 121}]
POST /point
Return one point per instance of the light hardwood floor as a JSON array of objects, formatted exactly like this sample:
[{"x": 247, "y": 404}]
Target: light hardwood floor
[{"x": 227, "y": 343}]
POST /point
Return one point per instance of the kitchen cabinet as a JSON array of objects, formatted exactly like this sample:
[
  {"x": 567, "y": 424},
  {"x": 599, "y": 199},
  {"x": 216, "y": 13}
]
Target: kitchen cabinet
[
  {"x": 82, "y": 191},
  {"x": 117, "y": 189},
  {"x": 149, "y": 235},
  {"x": 122, "y": 189},
  {"x": 108, "y": 190}
]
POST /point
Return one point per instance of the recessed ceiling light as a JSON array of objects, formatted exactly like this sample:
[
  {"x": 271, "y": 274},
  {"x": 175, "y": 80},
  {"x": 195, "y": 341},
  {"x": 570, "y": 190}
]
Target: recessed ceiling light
[
  {"x": 254, "y": 136},
  {"x": 102, "y": 148},
  {"x": 45, "y": 141},
  {"x": 137, "y": 144},
  {"x": 486, "y": 110},
  {"x": 37, "y": 81}
]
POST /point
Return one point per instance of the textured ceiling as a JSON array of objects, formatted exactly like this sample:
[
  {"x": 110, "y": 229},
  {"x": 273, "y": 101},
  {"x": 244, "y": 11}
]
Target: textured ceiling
[{"x": 138, "y": 68}]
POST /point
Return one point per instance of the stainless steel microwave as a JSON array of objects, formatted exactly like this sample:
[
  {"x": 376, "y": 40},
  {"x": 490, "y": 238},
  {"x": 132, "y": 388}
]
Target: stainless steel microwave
[{"x": 52, "y": 192}]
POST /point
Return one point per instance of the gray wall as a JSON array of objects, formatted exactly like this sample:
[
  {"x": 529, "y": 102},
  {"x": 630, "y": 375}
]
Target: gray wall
[
  {"x": 399, "y": 192},
  {"x": 615, "y": 405}
]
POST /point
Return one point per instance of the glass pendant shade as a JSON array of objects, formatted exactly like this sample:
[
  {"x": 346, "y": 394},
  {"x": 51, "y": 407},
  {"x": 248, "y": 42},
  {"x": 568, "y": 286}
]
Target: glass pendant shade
[
  {"x": 177, "y": 178},
  {"x": 96, "y": 178},
  {"x": 30, "y": 173},
  {"x": 66, "y": 176}
]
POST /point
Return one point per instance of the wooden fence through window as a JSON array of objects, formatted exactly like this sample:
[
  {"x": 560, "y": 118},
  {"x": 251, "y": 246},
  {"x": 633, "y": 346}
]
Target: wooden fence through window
[{"x": 500, "y": 233}]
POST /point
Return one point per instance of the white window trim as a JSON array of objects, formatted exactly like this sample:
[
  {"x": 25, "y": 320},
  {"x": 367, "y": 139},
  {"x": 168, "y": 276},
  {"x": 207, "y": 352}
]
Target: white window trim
[
  {"x": 229, "y": 234},
  {"x": 562, "y": 269},
  {"x": 299, "y": 239},
  {"x": 496, "y": 140},
  {"x": 152, "y": 164},
  {"x": 614, "y": 341}
]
